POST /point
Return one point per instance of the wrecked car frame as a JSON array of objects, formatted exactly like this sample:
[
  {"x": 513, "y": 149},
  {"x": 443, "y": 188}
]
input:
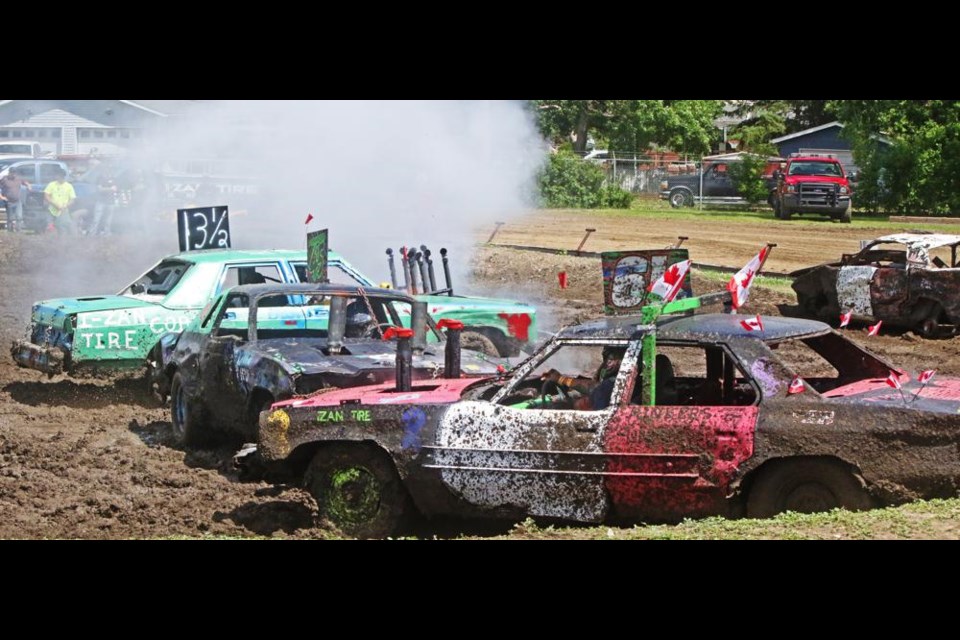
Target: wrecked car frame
[
  {"x": 730, "y": 434},
  {"x": 899, "y": 279}
]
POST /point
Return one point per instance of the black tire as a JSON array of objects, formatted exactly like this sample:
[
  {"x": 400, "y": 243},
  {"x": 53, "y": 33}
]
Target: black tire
[
  {"x": 809, "y": 485},
  {"x": 777, "y": 209},
  {"x": 357, "y": 489},
  {"x": 680, "y": 198},
  {"x": 847, "y": 215},
  {"x": 929, "y": 327},
  {"x": 785, "y": 213},
  {"x": 478, "y": 342},
  {"x": 186, "y": 418}
]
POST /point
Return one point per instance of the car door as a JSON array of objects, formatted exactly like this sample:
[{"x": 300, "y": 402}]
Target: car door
[
  {"x": 220, "y": 388},
  {"x": 668, "y": 462},
  {"x": 521, "y": 460}
]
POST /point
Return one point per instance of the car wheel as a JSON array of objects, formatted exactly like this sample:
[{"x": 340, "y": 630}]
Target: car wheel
[
  {"x": 847, "y": 214},
  {"x": 806, "y": 486},
  {"x": 929, "y": 327},
  {"x": 357, "y": 489},
  {"x": 476, "y": 341},
  {"x": 680, "y": 198},
  {"x": 785, "y": 213},
  {"x": 186, "y": 418}
]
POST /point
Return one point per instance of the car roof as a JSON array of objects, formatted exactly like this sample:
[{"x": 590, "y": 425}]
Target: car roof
[
  {"x": 253, "y": 255},
  {"x": 814, "y": 159},
  {"x": 260, "y": 290},
  {"x": 924, "y": 240},
  {"x": 709, "y": 326}
]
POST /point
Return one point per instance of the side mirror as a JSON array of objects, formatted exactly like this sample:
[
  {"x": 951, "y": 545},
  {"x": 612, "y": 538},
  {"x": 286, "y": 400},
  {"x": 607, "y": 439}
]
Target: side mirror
[
  {"x": 852, "y": 176},
  {"x": 137, "y": 288}
]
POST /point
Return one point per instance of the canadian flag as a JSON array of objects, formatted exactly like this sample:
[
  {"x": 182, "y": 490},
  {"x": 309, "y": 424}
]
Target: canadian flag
[
  {"x": 845, "y": 318},
  {"x": 875, "y": 329},
  {"x": 893, "y": 380},
  {"x": 739, "y": 285},
  {"x": 796, "y": 386},
  {"x": 926, "y": 376},
  {"x": 309, "y": 219},
  {"x": 752, "y": 324},
  {"x": 670, "y": 282}
]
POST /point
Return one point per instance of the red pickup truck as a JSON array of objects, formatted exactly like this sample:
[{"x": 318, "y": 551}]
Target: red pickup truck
[{"x": 812, "y": 184}]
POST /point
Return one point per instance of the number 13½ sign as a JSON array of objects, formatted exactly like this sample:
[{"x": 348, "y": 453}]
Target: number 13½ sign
[{"x": 203, "y": 228}]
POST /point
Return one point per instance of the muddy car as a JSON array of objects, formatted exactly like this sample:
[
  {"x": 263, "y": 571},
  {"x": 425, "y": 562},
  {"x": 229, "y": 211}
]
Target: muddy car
[
  {"x": 908, "y": 280},
  {"x": 257, "y": 344},
  {"x": 729, "y": 419},
  {"x": 122, "y": 331}
]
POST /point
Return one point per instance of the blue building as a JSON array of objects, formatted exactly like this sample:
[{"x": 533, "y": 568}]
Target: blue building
[{"x": 825, "y": 139}]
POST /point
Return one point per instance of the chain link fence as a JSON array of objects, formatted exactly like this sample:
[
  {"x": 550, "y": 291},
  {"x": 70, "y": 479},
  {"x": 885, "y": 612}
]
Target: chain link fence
[{"x": 641, "y": 174}]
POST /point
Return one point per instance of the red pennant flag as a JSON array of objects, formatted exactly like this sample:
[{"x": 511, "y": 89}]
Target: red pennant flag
[
  {"x": 926, "y": 376},
  {"x": 309, "y": 219},
  {"x": 875, "y": 329},
  {"x": 845, "y": 318},
  {"x": 893, "y": 380},
  {"x": 796, "y": 386},
  {"x": 752, "y": 324},
  {"x": 670, "y": 282},
  {"x": 739, "y": 285}
]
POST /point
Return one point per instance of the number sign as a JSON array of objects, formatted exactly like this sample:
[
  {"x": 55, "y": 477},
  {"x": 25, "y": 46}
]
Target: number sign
[
  {"x": 203, "y": 228},
  {"x": 317, "y": 256}
]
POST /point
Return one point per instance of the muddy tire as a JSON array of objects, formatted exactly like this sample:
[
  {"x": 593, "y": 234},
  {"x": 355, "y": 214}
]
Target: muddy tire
[
  {"x": 806, "y": 486},
  {"x": 929, "y": 327},
  {"x": 357, "y": 489},
  {"x": 478, "y": 342},
  {"x": 847, "y": 215},
  {"x": 186, "y": 419}
]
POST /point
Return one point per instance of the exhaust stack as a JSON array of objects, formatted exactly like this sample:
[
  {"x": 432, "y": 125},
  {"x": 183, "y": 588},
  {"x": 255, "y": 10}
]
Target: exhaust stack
[
  {"x": 446, "y": 271},
  {"x": 418, "y": 322},
  {"x": 404, "y": 356},
  {"x": 337, "y": 325},
  {"x": 451, "y": 361},
  {"x": 393, "y": 269}
]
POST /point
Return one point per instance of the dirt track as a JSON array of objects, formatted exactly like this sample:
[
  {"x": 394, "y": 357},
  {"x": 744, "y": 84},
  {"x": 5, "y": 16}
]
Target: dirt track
[{"x": 93, "y": 458}]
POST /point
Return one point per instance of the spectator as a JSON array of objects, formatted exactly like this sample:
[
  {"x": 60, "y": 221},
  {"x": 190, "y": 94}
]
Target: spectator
[
  {"x": 59, "y": 195},
  {"x": 13, "y": 190},
  {"x": 108, "y": 198}
]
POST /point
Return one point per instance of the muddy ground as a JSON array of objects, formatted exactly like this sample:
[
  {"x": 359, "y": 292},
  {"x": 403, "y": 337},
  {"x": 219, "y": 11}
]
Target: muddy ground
[{"x": 93, "y": 458}]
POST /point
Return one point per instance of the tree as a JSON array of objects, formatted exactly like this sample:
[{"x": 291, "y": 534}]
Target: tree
[
  {"x": 686, "y": 126},
  {"x": 919, "y": 172}
]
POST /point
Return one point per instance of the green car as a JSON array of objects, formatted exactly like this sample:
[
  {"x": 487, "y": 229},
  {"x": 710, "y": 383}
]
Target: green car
[{"x": 122, "y": 331}]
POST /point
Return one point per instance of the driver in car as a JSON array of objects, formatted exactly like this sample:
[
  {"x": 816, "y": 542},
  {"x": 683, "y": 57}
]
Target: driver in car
[{"x": 596, "y": 391}]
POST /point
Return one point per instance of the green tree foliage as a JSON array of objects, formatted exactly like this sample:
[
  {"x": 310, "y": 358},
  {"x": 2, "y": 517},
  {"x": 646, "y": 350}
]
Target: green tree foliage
[
  {"x": 796, "y": 115},
  {"x": 747, "y": 176},
  {"x": 685, "y": 126},
  {"x": 568, "y": 181},
  {"x": 919, "y": 173}
]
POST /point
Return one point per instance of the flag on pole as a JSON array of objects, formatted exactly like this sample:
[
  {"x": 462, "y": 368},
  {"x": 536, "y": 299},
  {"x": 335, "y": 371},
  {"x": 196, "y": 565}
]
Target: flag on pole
[
  {"x": 739, "y": 285},
  {"x": 668, "y": 285},
  {"x": 309, "y": 219},
  {"x": 893, "y": 380},
  {"x": 796, "y": 386},
  {"x": 926, "y": 376},
  {"x": 845, "y": 318},
  {"x": 752, "y": 324},
  {"x": 875, "y": 328}
]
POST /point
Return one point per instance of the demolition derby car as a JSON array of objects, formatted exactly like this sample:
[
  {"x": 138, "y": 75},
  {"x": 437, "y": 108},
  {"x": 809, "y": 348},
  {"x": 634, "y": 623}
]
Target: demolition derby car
[
  {"x": 733, "y": 416},
  {"x": 906, "y": 279},
  {"x": 123, "y": 331},
  {"x": 257, "y": 344}
]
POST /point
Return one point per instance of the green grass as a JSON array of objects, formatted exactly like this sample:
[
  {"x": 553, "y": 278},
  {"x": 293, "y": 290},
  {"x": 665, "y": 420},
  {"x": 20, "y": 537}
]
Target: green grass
[
  {"x": 655, "y": 210},
  {"x": 776, "y": 283}
]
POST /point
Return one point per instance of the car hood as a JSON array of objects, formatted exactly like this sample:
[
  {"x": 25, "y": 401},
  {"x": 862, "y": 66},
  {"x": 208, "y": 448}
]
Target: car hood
[
  {"x": 940, "y": 395},
  {"x": 439, "y": 391},
  {"x": 825, "y": 179}
]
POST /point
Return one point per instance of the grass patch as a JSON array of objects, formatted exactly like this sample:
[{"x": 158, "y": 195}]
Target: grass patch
[{"x": 775, "y": 283}]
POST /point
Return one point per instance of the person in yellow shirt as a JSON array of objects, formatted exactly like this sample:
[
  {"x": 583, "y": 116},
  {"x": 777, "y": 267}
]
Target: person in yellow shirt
[{"x": 59, "y": 195}]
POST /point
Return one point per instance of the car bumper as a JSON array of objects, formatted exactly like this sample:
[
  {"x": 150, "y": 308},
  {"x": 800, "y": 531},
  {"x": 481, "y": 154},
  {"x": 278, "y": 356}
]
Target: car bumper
[
  {"x": 49, "y": 360},
  {"x": 816, "y": 206}
]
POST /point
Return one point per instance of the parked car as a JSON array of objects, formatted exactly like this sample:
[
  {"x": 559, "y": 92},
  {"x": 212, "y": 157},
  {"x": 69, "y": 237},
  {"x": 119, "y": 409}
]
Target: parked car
[
  {"x": 731, "y": 419},
  {"x": 256, "y": 344},
  {"x": 39, "y": 173},
  {"x": 117, "y": 332},
  {"x": 899, "y": 278},
  {"x": 20, "y": 148},
  {"x": 811, "y": 183},
  {"x": 683, "y": 190}
]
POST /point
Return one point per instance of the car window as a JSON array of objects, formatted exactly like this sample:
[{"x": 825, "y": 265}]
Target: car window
[
  {"x": 695, "y": 375},
  {"x": 828, "y": 361},
  {"x": 250, "y": 274},
  {"x": 232, "y": 319},
  {"x": 25, "y": 171},
  {"x": 159, "y": 281},
  {"x": 49, "y": 172},
  {"x": 207, "y": 313},
  {"x": 335, "y": 274}
]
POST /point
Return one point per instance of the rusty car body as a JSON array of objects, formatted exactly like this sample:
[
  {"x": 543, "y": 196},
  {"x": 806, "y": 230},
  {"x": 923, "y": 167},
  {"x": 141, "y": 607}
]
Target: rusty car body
[
  {"x": 256, "y": 344},
  {"x": 909, "y": 280},
  {"x": 719, "y": 428}
]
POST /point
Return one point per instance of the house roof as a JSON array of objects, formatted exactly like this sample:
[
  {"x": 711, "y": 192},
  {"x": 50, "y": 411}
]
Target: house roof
[{"x": 835, "y": 123}]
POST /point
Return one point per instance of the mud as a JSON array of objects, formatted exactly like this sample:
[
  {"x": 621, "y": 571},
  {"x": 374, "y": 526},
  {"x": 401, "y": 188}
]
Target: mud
[{"x": 93, "y": 457}]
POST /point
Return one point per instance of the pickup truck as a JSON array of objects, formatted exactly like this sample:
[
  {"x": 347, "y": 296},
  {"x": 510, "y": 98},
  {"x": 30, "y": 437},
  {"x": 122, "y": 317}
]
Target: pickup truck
[
  {"x": 813, "y": 184},
  {"x": 683, "y": 190}
]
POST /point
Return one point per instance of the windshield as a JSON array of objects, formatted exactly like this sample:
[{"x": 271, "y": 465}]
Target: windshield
[
  {"x": 814, "y": 168},
  {"x": 159, "y": 281},
  {"x": 19, "y": 149}
]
